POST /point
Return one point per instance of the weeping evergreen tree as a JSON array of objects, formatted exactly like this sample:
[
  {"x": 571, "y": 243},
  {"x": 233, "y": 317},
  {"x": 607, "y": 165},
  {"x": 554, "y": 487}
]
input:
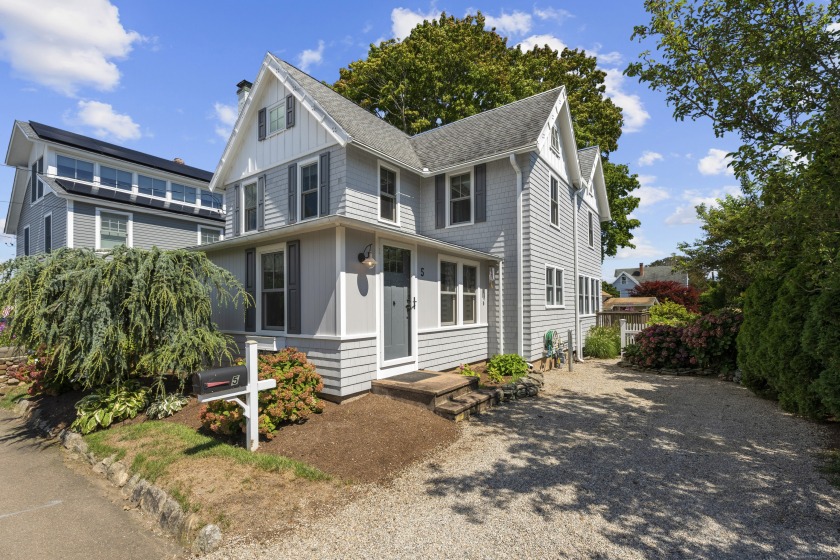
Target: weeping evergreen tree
[{"x": 132, "y": 313}]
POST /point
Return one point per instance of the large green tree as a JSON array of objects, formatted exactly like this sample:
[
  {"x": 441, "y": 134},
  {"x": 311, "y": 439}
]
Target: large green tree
[{"x": 451, "y": 68}]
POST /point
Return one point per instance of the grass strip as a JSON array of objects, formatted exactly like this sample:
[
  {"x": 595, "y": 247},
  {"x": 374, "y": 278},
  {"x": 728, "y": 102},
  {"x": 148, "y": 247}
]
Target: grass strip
[
  {"x": 10, "y": 399},
  {"x": 160, "y": 444}
]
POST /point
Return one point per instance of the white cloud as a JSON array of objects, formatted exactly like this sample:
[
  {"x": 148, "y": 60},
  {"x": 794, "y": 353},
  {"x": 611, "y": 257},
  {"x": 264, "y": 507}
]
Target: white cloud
[
  {"x": 646, "y": 180},
  {"x": 553, "y": 13},
  {"x": 635, "y": 115},
  {"x": 105, "y": 122},
  {"x": 648, "y": 196},
  {"x": 225, "y": 116},
  {"x": 517, "y": 23},
  {"x": 716, "y": 162},
  {"x": 612, "y": 57},
  {"x": 310, "y": 57},
  {"x": 404, "y": 20},
  {"x": 65, "y": 44},
  {"x": 686, "y": 214},
  {"x": 644, "y": 249},
  {"x": 649, "y": 158},
  {"x": 541, "y": 40}
]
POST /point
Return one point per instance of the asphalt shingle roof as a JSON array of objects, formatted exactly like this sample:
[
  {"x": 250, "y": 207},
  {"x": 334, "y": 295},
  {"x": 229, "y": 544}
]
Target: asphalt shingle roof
[{"x": 653, "y": 273}]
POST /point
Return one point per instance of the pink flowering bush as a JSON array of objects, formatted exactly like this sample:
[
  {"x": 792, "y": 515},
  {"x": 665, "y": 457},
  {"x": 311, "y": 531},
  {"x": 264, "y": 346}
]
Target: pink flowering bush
[
  {"x": 293, "y": 400},
  {"x": 706, "y": 342}
]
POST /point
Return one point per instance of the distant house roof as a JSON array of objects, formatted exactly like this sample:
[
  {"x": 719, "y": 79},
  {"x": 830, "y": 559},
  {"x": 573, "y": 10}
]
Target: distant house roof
[
  {"x": 630, "y": 302},
  {"x": 653, "y": 273},
  {"x": 38, "y": 131}
]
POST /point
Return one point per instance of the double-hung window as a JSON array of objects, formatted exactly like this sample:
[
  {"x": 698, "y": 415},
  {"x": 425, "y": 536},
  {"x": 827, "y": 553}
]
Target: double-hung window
[
  {"x": 309, "y": 191},
  {"x": 554, "y": 287},
  {"x": 250, "y": 205},
  {"x": 460, "y": 199},
  {"x": 387, "y": 194},
  {"x": 555, "y": 139},
  {"x": 183, "y": 193},
  {"x": 277, "y": 118},
  {"x": 208, "y": 235},
  {"x": 74, "y": 168},
  {"x": 273, "y": 291},
  {"x": 151, "y": 186},
  {"x": 470, "y": 287},
  {"x": 448, "y": 293},
  {"x": 113, "y": 230},
  {"x": 211, "y": 200},
  {"x": 555, "y": 202},
  {"x": 48, "y": 233},
  {"x": 589, "y": 300},
  {"x": 116, "y": 178}
]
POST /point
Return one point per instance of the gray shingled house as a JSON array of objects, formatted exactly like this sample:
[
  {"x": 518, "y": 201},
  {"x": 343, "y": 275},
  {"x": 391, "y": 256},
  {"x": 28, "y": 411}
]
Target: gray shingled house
[
  {"x": 74, "y": 191},
  {"x": 380, "y": 253},
  {"x": 628, "y": 278}
]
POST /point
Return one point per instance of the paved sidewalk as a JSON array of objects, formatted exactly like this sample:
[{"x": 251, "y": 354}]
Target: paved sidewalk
[
  {"x": 607, "y": 463},
  {"x": 49, "y": 511}
]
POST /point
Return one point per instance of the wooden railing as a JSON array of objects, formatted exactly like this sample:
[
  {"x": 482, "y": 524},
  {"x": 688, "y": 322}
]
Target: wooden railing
[{"x": 636, "y": 320}]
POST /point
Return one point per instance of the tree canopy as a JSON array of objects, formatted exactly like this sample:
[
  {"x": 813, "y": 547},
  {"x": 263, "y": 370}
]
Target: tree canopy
[{"x": 450, "y": 68}]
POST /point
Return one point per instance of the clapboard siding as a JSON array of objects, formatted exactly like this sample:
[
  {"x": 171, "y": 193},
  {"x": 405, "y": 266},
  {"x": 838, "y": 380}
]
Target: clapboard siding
[
  {"x": 445, "y": 349},
  {"x": 32, "y": 215},
  {"x": 149, "y": 230}
]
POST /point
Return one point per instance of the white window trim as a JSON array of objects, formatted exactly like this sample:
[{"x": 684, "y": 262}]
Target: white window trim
[
  {"x": 300, "y": 167},
  {"x": 258, "y": 287},
  {"x": 200, "y": 227},
  {"x": 559, "y": 184},
  {"x": 27, "y": 250},
  {"x": 554, "y": 134},
  {"x": 472, "y": 197},
  {"x": 97, "y": 178},
  {"x": 166, "y": 193},
  {"x": 268, "y": 110},
  {"x": 129, "y": 226},
  {"x": 44, "y": 231},
  {"x": 77, "y": 158},
  {"x": 459, "y": 292},
  {"x": 591, "y": 229},
  {"x": 562, "y": 270},
  {"x": 255, "y": 182},
  {"x": 395, "y": 366},
  {"x": 596, "y": 300},
  {"x": 395, "y": 170}
]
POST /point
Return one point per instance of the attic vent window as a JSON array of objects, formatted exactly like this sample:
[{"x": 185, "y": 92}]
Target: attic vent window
[{"x": 555, "y": 139}]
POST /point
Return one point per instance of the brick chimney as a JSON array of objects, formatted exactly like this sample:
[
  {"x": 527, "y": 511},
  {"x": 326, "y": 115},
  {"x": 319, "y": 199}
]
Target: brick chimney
[
  {"x": 179, "y": 161},
  {"x": 641, "y": 269}
]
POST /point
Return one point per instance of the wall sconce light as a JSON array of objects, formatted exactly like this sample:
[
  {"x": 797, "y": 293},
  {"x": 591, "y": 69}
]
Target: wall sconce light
[{"x": 365, "y": 258}]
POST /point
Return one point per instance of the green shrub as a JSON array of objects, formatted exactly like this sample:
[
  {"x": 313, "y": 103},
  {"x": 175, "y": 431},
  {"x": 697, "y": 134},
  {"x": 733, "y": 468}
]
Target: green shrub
[
  {"x": 506, "y": 365},
  {"x": 821, "y": 339},
  {"x": 711, "y": 339},
  {"x": 603, "y": 342},
  {"x": 671, "y": 313},
  {"x": 166, "y": 406},
  {"x": 467, "y": 370},
  {"x": 293, "y": 400},
  {"x": 109, "y": 404},
  {"x": 753, "y": 359},
  {"x": 659, "y": 346}
]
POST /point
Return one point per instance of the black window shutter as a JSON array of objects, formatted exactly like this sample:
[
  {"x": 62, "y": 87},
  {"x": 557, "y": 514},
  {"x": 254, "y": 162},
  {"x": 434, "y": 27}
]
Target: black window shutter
[
  {"x": 481, "y": 192},
  {"x": 261, "y": 124},
  {"x": 251, "y": 288},
  {"x": 292, "y": 193},
  {"x": 236, "y": 217},
  {"x": 440, "y": 201},
  {"x": 293, "y": 287},
  {"x": 48, "y": 234},
  {"x": 324, "y": 177},
  {"x": 40, "y": 184},
  {"x": 290, "y": 111},
  {"x": 261, "y": 203}
]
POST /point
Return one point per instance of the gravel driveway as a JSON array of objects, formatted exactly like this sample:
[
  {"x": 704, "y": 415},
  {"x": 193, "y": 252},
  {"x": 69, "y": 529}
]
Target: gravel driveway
[{"x": 606, "y": 464}]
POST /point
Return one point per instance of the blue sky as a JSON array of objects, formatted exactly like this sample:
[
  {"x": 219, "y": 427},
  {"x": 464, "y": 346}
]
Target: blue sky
[{"x": 160, "y": 77}]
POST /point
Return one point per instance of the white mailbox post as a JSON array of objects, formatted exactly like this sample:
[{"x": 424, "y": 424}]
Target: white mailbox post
[{"x": 251, "y": 407}]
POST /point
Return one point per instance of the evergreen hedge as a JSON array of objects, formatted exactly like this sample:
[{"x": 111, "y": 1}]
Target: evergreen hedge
[{"x": 131, "y": 313}]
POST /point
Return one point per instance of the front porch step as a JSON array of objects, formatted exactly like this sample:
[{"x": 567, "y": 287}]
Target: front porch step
[
  {"x": 465, "y": 405},
  {"x": 425, "y": 388}
]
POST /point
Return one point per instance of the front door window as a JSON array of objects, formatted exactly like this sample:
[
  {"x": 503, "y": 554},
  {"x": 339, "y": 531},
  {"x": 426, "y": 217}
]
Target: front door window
[{"x": 397, "y": 302}]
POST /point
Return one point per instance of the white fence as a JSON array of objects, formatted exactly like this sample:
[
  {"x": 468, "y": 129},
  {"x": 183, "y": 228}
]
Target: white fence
[{"x": 628, "y": 333}]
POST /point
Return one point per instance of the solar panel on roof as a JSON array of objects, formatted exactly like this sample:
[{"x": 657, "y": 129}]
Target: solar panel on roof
[{"x": 98, "y": 146}]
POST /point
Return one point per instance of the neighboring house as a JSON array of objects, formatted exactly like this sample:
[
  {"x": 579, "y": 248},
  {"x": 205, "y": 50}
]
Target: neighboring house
[
  {"x": 630, "y": 303},
  {"x": 628, "y": 278},
  {"x": 379, "y": 253},
  {"x": 73, "y": 191}
]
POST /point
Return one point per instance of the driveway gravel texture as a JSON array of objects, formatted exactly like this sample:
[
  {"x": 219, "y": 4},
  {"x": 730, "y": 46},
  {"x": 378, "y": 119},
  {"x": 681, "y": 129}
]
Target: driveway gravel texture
[{"x": 606, "y": 463}]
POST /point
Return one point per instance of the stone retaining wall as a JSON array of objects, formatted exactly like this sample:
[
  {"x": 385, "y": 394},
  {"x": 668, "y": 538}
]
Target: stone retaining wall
[{"x": 9, "y": 358}]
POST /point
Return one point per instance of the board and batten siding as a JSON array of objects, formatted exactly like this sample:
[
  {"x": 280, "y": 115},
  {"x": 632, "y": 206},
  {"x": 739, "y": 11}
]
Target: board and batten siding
[
  {"x": 230, "y": 318},
  {"x": 497, "y": 236},
  {"x": 360, "y": 285},
  {"x": 149, "y": 230},
  {"x": 257, "y": 156},
  {"x": 32, "y": 215},
  {"x": 546, "y": 245},
  {"x": 361, "y": 195}
]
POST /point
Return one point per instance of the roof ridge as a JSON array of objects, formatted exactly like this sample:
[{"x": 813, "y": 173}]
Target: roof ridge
[
  {"x": 487, "y": 111},
  {"x": 311, "y": 77}
]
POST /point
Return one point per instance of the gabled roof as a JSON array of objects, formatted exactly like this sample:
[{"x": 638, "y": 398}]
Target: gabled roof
[
  {"x": 630, "y": 302},
  {"x": 505, "y": 129},
  {"x": 587, "y": 158},
  {"x": 652, "y": 273}
]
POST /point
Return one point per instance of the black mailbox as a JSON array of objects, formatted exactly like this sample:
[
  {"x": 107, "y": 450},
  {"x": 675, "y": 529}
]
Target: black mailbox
[{"x": 222, "y": 379}]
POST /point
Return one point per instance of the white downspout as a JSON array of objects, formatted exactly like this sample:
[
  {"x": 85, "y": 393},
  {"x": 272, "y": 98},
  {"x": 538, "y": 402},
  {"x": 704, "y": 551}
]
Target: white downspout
[
  {"x": 501, "y": 309},
  {"x": 575, "y": 198},
  {"x": 520, "y": 302}
]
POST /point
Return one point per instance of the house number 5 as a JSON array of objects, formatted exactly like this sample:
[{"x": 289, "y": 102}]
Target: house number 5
[{"x": 422, "y": 271}]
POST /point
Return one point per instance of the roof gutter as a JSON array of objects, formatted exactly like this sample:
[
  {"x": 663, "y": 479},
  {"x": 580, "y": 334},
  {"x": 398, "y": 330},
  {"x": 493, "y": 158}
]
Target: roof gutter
[{"x": 520, "y": 298}]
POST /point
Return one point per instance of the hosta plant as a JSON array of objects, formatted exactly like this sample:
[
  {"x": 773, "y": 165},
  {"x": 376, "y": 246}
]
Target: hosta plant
[
  {"x": 166, "y": 406},
  {"x": 109, "y": 404}
]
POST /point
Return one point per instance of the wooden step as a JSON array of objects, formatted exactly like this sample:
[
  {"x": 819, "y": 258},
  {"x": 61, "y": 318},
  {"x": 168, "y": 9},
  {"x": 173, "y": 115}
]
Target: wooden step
[
  {"x": 426, "y": 389},
  {"x": 463, "y": 406}
]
